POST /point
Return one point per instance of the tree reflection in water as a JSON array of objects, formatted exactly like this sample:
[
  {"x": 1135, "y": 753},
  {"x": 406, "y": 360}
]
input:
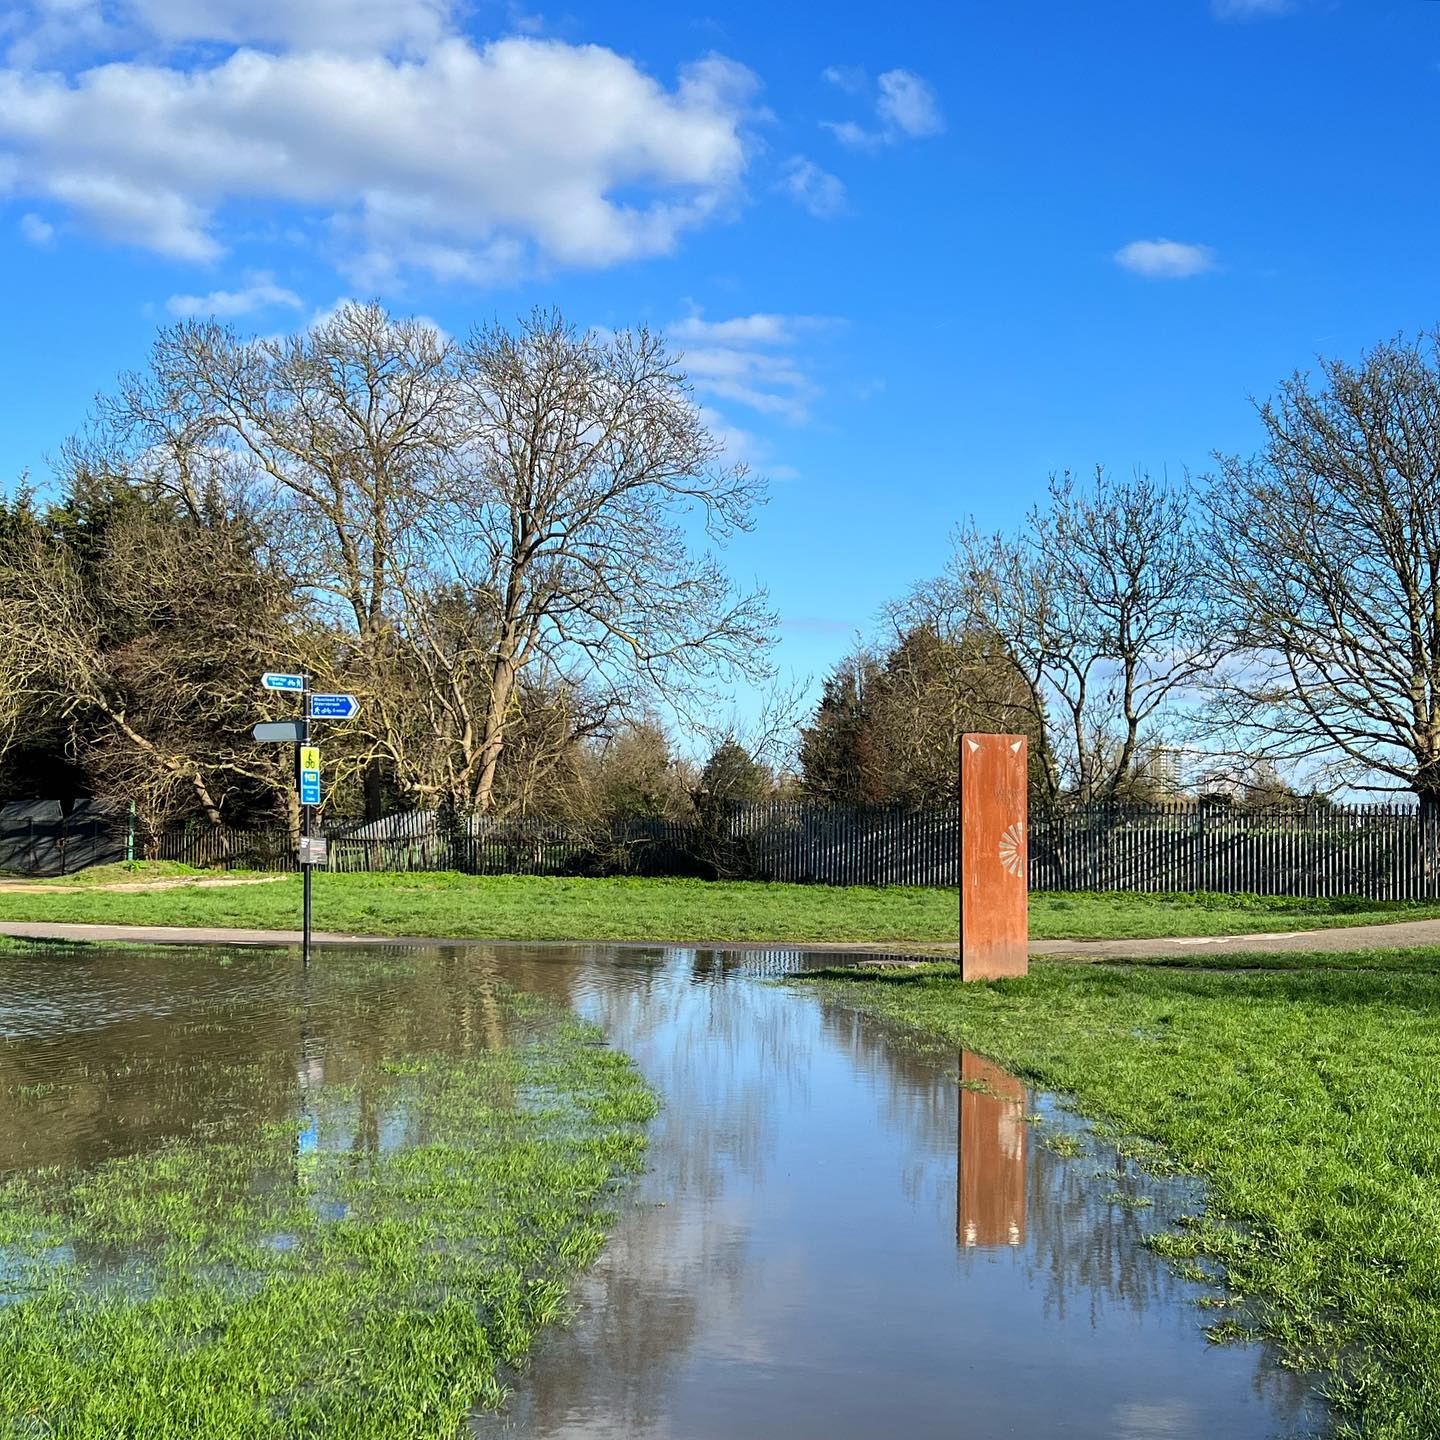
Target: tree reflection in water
[{"x": 833, "y": 1237}]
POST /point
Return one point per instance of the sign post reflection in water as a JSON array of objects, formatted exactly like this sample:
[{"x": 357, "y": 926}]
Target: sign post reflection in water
[
  {"x": 994, "y": 857},
  {"x": 994, "y": 1139}
]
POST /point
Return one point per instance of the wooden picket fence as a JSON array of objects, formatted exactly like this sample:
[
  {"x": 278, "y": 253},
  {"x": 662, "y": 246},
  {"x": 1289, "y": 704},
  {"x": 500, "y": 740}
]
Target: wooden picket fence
[{"x": 1378, "y": 852}]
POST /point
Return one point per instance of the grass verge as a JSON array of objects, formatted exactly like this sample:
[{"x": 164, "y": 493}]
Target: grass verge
[
  {"x": 254, "y": 1283},
  {"x": 512, "y": 907},
  {"x": 1308, "y": 1094}
]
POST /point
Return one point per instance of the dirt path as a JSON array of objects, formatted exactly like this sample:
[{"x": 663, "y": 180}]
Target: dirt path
[{"x": 175, "y": 882}]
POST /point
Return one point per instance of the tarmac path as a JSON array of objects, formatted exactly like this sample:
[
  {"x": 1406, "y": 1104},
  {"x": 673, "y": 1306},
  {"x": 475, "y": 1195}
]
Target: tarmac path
[{"x": 1403, "y": 934}]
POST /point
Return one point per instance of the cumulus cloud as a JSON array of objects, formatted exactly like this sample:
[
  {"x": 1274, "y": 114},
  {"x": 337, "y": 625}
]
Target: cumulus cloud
[
  {"x": 351, "y": 26},
  {"x": 905, "y": 107},
  {"x": 262, "y": 293},
  {"x": 465, "y": 162},
  {"x": 812, "y": 188},
  {"x": 1165, "y": 259},
  {"x": 37, "y": 231},
  {"x": 750, "y": 360}
]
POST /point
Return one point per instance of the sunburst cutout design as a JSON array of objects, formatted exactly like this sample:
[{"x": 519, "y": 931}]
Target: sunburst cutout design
[{"x": 1012, "y": 848}]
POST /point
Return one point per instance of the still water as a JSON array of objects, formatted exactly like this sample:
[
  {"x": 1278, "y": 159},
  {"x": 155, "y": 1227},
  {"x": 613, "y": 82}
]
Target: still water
[{"x": 834, "y": 1237}]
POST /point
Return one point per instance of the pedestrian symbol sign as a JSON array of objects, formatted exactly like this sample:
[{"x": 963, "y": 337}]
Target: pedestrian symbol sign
[{"x": 333, "y": 707}]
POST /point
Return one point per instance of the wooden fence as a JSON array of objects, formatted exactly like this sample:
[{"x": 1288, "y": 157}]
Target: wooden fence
[{"x": 1379, "y": 852}]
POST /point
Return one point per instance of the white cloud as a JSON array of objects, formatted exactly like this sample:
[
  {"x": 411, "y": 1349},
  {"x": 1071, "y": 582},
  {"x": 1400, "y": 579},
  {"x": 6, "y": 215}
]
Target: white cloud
[
  {"x": 905, "y": 106},
  {"x": 744, "y": 447},
  {"x": 1250, "y": 9},
  {"x": 856, "y": 137},
  {"x": 849, "y": 78},
  {"x": 349, "y": 26},
  {"x": 908, "y": 104},
  {"x": 467, "y": 162},
  {"x": 326, "y": 313},
  {"x": 262, "y": 293},
  {"x": 37, "y": 231},
  {"x": 749, "y": 360},
  {"x": 352, "y": 25},
  {"x": 1165, "y": 259},
  {"x": 816, "y": 190}
]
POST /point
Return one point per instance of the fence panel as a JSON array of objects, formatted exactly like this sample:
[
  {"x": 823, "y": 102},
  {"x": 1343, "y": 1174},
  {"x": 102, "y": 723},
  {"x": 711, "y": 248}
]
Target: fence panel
[{"x": 1376, "y": 852}]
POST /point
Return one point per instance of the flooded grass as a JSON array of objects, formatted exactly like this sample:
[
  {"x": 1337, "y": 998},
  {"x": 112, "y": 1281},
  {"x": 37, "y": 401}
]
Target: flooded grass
[
  {"x": 262, "y": 1277},
  {"x": 1308, "y": 1097}
]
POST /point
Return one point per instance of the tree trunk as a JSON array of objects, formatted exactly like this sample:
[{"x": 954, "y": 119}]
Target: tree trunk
[
  {"x": 373, "y": 781},
  {"x": 502, "y": 686}
]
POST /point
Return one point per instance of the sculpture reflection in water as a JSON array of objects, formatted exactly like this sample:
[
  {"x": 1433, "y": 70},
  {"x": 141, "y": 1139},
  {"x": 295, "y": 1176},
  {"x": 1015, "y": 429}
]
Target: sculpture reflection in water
[{"x": 994, "y": 1140}]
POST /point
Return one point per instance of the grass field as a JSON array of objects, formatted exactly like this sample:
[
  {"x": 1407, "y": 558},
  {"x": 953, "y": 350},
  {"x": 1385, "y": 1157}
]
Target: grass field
[
  {"x": 558, "y": 908},
  {"x": 234, "y": 1283},
  {"x": 1306, "y": 1088}
]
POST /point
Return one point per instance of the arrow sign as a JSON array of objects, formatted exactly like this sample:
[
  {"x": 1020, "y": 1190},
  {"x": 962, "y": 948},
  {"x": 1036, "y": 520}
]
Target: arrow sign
[
  {"x": 271, "y": 681},
  {"x": 284, "y": 732},
  {"x": 334, "y": 707}
]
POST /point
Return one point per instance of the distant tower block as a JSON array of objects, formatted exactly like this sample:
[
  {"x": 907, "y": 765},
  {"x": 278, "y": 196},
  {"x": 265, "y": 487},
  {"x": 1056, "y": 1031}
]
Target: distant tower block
[{"x": 994, "y": 856}]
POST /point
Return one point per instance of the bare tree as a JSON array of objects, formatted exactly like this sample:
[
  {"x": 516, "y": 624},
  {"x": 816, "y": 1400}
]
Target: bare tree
[
  {"x": 464, "y": 513},
  {"x": 1100, "y": 602},
  {"x": 566, "y": 515},
  {"x": 344, "y": 425},
  {"x": 1326, "y": 551}
]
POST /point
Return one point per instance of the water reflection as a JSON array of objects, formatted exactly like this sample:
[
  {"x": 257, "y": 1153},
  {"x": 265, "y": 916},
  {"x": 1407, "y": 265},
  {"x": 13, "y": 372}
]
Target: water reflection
[
  {"x": 990, "y": 1156},
  {"x": 833, "y": 1236}
]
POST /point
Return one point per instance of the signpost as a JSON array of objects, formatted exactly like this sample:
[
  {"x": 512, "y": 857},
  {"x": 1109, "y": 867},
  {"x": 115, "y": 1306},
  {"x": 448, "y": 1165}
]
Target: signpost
[
  {"x": 312, "y": 849},
  {"x": 281, "y": 732},
  {"x": 333, "y": 707}
]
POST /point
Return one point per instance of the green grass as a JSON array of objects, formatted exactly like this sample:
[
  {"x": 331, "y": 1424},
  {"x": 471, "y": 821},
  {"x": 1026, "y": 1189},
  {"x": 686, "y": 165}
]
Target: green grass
[
  {"x": 244, "y": 1285},
  {"x": 1113, "y": 915},
  {"x": 119, "y": 872},
  {"x": 1308, "y": 1094},
  {"x": 559, "y": 908}
]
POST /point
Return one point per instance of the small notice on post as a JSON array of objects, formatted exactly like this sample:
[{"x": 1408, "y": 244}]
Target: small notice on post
[{"x": 313, "y": 850}]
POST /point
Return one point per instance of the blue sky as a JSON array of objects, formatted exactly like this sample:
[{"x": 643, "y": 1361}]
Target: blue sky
[{"x": 919, "y": 258}]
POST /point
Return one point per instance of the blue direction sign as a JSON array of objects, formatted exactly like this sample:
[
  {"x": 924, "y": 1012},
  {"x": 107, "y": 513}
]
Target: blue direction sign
[
  {"x": 271, "y": 681},
  {"x": 333, "y": 707},
  {"x": 309, "y": 787}
]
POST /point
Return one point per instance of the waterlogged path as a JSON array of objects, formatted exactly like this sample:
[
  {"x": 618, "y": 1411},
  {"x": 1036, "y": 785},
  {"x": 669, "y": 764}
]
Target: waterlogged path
[{"x": 833, "y": 1237}]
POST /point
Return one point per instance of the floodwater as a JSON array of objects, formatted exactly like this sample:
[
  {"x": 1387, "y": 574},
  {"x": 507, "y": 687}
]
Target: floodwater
[{"x": 833, "y": 1237}]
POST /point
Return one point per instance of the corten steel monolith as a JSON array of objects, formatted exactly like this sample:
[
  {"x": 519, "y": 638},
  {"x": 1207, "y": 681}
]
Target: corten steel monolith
[
  {"x": 994, "y": 857},
  {"x": 994, "y": 1138}
]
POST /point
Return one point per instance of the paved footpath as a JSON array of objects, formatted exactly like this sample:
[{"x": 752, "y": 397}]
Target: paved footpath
[
  {"x": 216, "y": 935},
  {"x": 1402, "y": 934},
  {"x": 1355, "y": 937}
]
